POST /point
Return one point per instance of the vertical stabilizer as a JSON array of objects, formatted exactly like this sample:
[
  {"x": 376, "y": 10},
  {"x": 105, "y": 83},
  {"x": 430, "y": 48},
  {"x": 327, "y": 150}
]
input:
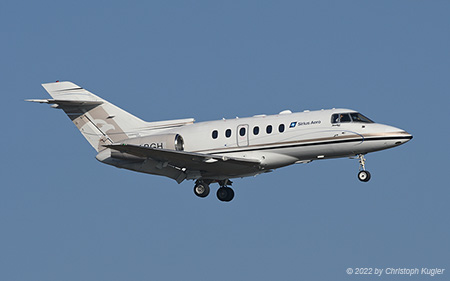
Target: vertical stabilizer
[{"x": 99, "y": 121}]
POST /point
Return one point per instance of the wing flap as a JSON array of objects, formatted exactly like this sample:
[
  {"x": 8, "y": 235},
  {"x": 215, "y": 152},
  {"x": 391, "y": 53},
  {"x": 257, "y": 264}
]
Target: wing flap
[
  {"x": 211, "y": 164},
  {"x": 67, "y": 102}
]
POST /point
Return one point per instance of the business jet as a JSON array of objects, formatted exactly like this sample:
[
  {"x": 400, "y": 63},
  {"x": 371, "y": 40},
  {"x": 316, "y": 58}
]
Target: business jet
[{"x": 218, "y": 151}]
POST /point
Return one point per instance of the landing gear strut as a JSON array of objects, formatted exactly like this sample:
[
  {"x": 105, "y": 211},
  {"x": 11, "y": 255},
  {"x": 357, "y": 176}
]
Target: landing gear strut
[{"x": 363, "y": 175}]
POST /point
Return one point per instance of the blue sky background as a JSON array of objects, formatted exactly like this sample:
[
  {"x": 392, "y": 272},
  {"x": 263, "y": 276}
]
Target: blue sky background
[{"x": 65, "y": 216}]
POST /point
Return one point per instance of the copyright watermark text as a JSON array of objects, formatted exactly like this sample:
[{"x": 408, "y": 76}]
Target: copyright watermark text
[{"x": 394, "y": 271}]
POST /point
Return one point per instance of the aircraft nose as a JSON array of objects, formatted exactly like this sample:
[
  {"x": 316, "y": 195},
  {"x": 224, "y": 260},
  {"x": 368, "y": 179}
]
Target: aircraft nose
[
  {"x": 400, "y": 136},
  {"x": 406, "y": 136}
]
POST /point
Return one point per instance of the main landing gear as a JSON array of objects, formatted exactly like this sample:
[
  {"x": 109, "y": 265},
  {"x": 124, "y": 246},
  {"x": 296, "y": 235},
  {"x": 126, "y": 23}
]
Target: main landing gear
[
  {"x": 363, "y": 175},
  {"x": 201, "y": 189},
  {"x": 224, "y": 193}
]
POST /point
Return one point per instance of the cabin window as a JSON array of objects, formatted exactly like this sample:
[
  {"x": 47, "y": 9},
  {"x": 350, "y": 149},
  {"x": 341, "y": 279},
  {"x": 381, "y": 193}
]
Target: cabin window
[
  {"x": 269, "y": 129},
  {"x": 281, "y": 128},
  {"x": 256, "y": 130},
  {"x": 242, "y": 132},
  {"x": 215, "y": 134},
  {"x": 228, "y": 133}
]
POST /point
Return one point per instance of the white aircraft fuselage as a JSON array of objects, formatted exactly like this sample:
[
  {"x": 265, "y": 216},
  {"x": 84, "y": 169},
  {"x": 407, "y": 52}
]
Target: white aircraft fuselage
[
  {"x": 217, "y": 151},
  {"x": 293, "y": 137}
]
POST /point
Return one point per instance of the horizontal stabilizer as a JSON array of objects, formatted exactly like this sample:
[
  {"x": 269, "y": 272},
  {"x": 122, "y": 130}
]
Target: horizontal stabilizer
[{"x": 69, "y": 91}]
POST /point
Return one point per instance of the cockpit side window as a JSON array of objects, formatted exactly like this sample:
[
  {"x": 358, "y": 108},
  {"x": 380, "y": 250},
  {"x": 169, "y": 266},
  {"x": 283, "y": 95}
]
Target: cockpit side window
[
  {"x": 344, "y": 117},
  {"x": 350, "y": 117},
  {"x": 335, "y": 118},
  {"x": 358, "y": 117}
]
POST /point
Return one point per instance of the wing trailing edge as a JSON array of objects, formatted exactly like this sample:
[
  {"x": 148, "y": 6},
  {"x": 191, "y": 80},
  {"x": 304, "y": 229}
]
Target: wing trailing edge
[{"x": 209, "y": 165}]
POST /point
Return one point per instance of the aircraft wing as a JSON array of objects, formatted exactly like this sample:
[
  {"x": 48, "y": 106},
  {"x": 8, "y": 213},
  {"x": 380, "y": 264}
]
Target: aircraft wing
[{"x": 209, "y": 165}]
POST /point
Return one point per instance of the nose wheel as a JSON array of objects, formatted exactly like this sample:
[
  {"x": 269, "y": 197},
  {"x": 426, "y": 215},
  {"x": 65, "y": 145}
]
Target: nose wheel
[{"x": 363, "y": 175}]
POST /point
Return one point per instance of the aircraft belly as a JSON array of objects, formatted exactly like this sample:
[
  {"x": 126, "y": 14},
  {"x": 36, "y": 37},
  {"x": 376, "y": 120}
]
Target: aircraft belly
[{"x": 376, "y": 145}]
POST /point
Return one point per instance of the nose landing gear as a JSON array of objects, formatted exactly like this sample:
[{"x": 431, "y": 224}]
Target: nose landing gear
[{"x": 363, "y": 175}]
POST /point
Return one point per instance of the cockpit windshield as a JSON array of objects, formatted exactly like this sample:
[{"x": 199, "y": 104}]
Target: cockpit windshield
[{"x": 350, "y": 117}]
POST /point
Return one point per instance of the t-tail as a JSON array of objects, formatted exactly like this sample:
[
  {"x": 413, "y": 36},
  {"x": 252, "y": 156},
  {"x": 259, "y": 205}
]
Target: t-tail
[{"x": 100, "y": 122}]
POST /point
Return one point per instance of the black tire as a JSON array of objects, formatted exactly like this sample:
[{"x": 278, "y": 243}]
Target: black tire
[
  {"x": 225, "y": 194},
  {"x": 364, "y": 176},
  {"x": 230, "y": 194},
  {"x": 201, "y": 190}
]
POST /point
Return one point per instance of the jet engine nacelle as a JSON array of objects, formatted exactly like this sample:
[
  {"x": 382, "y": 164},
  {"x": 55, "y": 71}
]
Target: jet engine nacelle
[{"x": 166, "y": 141}]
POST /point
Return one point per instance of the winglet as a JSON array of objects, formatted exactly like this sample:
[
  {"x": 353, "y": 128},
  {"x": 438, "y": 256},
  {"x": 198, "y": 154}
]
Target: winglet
[{"x": 39, "y": 101}]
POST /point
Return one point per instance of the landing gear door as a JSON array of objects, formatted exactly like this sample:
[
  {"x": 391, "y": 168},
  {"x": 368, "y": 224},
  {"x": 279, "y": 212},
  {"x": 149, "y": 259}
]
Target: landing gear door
[{"x": 242, "y": 135}]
